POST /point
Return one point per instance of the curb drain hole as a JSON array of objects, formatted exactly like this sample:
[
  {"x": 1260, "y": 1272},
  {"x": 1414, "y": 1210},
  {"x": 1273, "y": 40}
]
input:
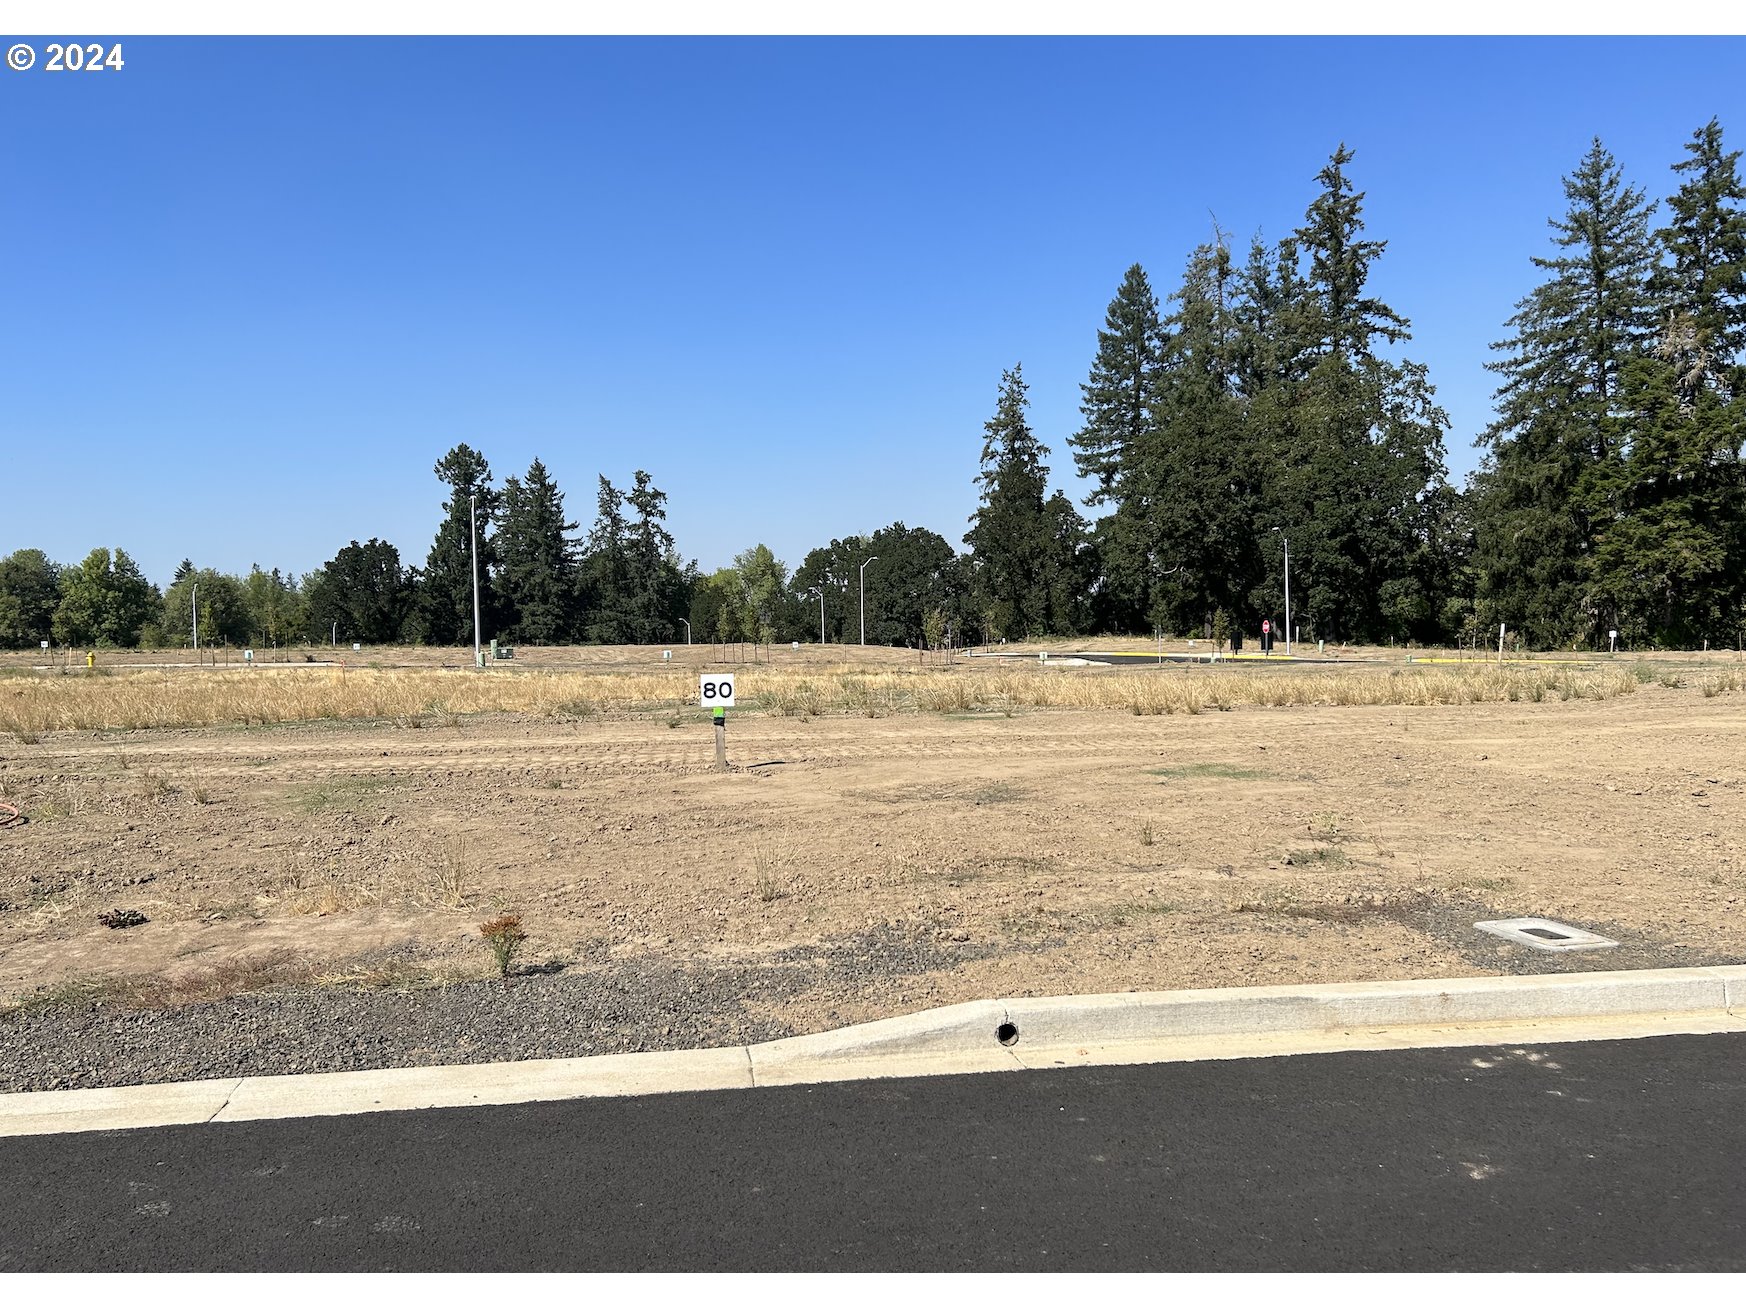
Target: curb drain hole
[{"x": 1006, "y": 1034}]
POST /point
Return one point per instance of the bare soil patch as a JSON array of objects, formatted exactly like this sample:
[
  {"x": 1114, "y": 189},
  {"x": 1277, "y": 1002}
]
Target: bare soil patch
[{"x": 1053, "y": 851}]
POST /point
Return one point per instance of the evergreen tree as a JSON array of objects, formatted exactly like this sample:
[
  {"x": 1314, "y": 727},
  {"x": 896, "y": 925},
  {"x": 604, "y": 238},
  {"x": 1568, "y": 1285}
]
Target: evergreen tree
[
  {"x": 1703, "y": 289},
  {"x": 1200, "y": 481},
  {"x": 1114, "y": 444},
  {"x": 1667, "y": 562},
  {"x": 654, "y": 593},
  {"x": 1353, "y": 443},
  {"x": 537, "y": 574},
  {"x": 1551, "y": 478},
  {"x": 445, "y": 599},
  {"x": 1341, "y": 319},
  {"x": 1661, "y": 565},
  {"x": 1117, "y": 396},
  {"x": 607, "y": 572},
  {"x": 1027, "y": 565}
]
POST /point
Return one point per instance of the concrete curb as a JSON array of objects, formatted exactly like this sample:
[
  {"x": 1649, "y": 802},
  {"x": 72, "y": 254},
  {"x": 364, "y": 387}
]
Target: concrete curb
[{"x": 1132, "y": 1027}]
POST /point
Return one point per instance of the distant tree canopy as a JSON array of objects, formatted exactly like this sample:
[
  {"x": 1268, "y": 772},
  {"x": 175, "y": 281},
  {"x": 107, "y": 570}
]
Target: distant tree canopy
[
  {"x": 30, "y": 591},
  {"x": 1612, "y": 496},
  {"x": 104, "y": 601},
  {"x": 1267, "y": 398},
  {"x": 362, "y": 594}
]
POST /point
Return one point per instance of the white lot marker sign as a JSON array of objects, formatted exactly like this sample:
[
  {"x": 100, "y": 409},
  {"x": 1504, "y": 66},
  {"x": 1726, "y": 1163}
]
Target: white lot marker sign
[{"x": 716, "y": 691}]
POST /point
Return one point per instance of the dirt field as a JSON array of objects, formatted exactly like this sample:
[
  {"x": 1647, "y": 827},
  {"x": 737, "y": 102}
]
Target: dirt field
[{"x": 1050, "y": 851}]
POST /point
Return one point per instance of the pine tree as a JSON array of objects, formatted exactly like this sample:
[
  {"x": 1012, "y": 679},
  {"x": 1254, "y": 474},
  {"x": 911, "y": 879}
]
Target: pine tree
[
  {"x": 607, "y": 571},
  {"x": 1354, "y": 445},
  {"x": 1342, "y": 319},
  {"x": 446, "y": 586},
  {"x": 1026, "y": 546},
  {"x": 1199, "y": 479},
  {"x": 1116, "y": 402},
  {"x": 1703, "y": 290},
  {"x": 1117, "y": 395},
  {"x": 1551, "y": 479},
  {"x": 1667, "y": 562},
  {"x": 654, "y": 585},
  {"x": 537, "y": 574}
]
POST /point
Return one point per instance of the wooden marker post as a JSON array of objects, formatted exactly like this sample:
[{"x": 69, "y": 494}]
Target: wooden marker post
[{"x": 716, "y": 691}]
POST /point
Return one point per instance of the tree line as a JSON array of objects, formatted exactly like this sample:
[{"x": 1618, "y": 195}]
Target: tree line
[{"x": 1265, "y": 399}]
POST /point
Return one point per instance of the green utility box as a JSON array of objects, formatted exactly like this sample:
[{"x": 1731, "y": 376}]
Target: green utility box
[{"x": 502, "y": 651}]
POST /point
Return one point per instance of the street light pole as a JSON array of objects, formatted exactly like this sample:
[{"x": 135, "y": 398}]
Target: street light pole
[
  {"x": 819, "y": 592},
  {"x": 195, "y": 606},
  {"x": 1287, "y": 542},
  {"x": 687, "y": 632},
  {"x": 863, "y": 600},
  {"x": 473, "y": 503}
]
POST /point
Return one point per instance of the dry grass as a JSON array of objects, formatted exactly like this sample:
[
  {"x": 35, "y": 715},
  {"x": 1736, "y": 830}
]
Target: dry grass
[
  {"x": 770, "y": 872},
  {"x": 205, "y": 982},
  {"x": 444, "y": 882},
  {"x": 187, "y": 698},
  {"x": 244, "y": 975}
]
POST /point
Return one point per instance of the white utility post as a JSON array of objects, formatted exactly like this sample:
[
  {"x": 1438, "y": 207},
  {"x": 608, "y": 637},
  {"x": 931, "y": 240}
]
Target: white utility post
[
  {"x": 473, "y": 503},
  {"x": 863, "y": 600},
  {"x": 687, "y": 632},
  {"x": 819, "y": 590},
  {"x": 195, "y": 606},
  {"x": 1288, "y": 629}
]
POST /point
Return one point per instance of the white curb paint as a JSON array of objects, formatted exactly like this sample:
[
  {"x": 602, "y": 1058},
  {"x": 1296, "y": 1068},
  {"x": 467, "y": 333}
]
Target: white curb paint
[{"x": 1135, "y": 1027}]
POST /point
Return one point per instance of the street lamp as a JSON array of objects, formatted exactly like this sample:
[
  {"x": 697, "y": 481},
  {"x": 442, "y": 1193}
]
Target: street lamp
[
  {"x": 687, "y": 632},
  {"x": 195, "y": 606},
  {"x": 863, "y": 601},
  {"x": 473, "y": 510},
  {"x": 819, "y": 592},
  {"x": 1287, "y": 542}
]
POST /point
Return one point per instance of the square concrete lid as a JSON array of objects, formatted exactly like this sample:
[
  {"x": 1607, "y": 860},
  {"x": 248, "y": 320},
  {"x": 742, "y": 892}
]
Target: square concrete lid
[{"x": 1546, "y": 934}]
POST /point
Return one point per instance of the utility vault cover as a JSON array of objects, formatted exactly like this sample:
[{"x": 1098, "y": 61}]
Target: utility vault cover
[{"x": 1544, "y": 934}]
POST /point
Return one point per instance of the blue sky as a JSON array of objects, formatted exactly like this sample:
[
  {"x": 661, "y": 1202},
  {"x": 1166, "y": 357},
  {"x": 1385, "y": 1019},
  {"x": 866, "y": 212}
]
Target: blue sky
[{"x": 255, "y": 288}]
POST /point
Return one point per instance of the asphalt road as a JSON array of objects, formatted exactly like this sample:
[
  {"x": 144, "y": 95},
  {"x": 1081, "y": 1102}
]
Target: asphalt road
[{"x": 1604, "y": 1155}]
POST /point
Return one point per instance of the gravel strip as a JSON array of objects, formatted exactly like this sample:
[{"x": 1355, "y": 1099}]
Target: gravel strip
[{"x": 598, "y": 1007}]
